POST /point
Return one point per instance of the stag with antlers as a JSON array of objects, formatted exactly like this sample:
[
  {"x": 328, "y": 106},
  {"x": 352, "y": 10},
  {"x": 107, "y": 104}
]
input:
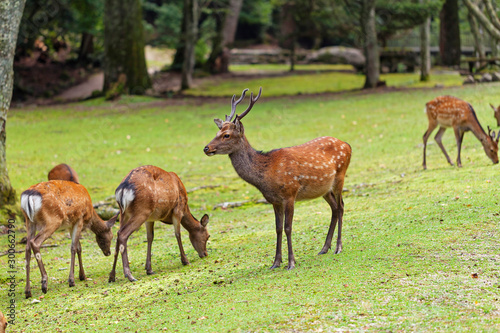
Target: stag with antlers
[{"x": 314, "y": 169}]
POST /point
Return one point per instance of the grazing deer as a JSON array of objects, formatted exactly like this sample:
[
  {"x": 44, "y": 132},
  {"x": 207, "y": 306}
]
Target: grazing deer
[
  {"x": 63, "y": 172},
  {"x": 496, "y": 114},
  {"x": 314, "y": 169},
  {"x": 148, "y": 194},
  {"x": 448, "y": 111},
  {"x": 54, "y": 204}
]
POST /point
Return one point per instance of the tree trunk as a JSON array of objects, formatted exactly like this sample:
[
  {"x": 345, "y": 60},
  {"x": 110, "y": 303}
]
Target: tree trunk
[
  {"x": 483, "y": 20},
  {"x": 226, "y": 24},
  {"x": 288, "y": 31},
  {"x": 367, "y": 22},
  {"x": 180, "y": 49},
  {"x": 191, "y": 13},
  {"x": 86, "y": 47},
  {"x": 213, "y": 64},
  {"x": 478, "y": 40},
  {"x": 11, "y": 12},
  {"x": 449, "y": 34},
  {"x": 492, "y": 13},
  {"x": 124, "y": 47},
  {"x": 425, "y": 50},
  {"x": 231, "y": 22}
]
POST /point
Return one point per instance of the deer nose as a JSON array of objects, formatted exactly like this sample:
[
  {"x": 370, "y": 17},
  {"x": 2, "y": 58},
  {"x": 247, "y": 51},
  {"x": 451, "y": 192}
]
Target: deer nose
[{"x": 206, "y": 149}]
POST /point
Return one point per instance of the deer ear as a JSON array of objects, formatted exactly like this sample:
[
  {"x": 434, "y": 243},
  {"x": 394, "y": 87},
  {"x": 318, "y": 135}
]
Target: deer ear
[
  {"x": 218, "y": 122},
  {"x": 493, "y": 107},
  {"x": 111, "y": 222},
  {"x": 204, "y": 220},
  {"x": 239, "y": 125}
]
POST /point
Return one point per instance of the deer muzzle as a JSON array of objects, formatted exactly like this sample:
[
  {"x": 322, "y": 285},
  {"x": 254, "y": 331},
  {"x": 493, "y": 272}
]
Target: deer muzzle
[{"x": 208, "y": 151}]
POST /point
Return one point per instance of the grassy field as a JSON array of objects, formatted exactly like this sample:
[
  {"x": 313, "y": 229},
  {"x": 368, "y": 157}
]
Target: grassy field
[
  {"x": 420, "y": 247},
  {"x": 326, "y": 79}
]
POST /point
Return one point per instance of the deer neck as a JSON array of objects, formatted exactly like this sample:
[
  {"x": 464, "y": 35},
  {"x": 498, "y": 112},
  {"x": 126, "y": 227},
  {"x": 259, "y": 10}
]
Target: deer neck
[
  {"x": 480, "y": 134},
  {"x": 248, "y": 163},
  {"x": 189, "y": 222},
  {"x": 97, "y": 225}
]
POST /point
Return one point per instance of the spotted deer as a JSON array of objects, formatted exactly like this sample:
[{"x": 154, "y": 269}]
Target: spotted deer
[
  {"x": 497, "y": 113},
  {"x": 449, "y": 111},
  {"x": 148, "y": 194},
  {"x": 63, "y": 172},
  {"x": 314, "y": 169},
  {"x": 54, "y": 205}
]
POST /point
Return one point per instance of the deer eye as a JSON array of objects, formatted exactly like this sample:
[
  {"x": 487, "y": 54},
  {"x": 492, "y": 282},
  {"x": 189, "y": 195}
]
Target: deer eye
[{"x": 226, "y": 136}]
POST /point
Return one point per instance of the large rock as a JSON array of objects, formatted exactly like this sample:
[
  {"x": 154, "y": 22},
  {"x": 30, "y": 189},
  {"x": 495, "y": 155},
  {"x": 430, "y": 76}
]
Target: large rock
[
  {"x": 486, "y": 77},
  {"x": 495, "y": 76},
  {"x": 469, "y": 80},
  {"x": 338, "y": 55}
]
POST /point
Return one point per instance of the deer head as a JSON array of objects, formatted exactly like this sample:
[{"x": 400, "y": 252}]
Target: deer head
[
  {"x": 230, "y": 131},
  {"x": 199, "y": 238},
  {"x": 104, "y": 236},
  {"x": 491, "y": 148},
  {"x": 496, "y": 114}
]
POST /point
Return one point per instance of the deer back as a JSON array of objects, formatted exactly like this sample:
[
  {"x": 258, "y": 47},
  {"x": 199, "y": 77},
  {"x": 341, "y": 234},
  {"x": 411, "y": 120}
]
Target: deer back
[
  {"x": 57, "y": 201},
  {"x": 151, "y": 190},
  {"x": 63, "y": 172}
]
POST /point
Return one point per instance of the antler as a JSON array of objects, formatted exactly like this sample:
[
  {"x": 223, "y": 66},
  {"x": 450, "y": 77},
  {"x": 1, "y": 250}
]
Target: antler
[
  {"x": 233, "y": 104},
  {"x": 250, "y": 106}
]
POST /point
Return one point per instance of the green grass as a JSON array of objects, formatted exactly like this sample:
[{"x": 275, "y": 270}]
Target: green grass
[
  {"x": 321, "y": 82},
  {"x": 244, "y": 68},
  {"x": 412, "y": 239}
]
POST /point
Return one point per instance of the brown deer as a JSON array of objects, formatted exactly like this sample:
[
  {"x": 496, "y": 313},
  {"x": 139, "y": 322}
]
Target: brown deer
[
  {"x": 148, "y": 194},
  {"x": 55, "y": 204},
  {"x": 63, "y": 172},
  {"x": 496, "y": 114},
  {"x": 314, "y": 169},
  {"x": 449, "y": 111}
]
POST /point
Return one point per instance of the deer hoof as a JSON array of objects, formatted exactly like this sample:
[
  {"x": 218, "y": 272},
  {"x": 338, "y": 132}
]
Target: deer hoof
[
  {"x": 150, "y": 272},
  {"x": 27, "y": 294}
]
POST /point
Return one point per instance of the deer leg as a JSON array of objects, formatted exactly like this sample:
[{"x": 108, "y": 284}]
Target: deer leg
[
  {"x": 278, "y": 214},
  {"x": 30, "y": 228},
  {"x": 438, "y": 138},
  {"x": 81, "y": 274},
  {"x": 333, "y": 223},
  {"x": 35, "y": 245},
  {"x": 177, "y": 230},
  {"x": 75, "y": 235},
  {"x": 112, "y": 274},
  {"x": 288, "y": 232},
  {"x": 459, "y": 136},
  {"x": 431, "y": 128},
  {"x": 338, "y": 249},
  {"x": 150, "y": 235}
]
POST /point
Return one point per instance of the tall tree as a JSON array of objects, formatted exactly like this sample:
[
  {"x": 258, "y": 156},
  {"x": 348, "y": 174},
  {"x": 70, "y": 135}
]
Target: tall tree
[
  {"x": 425, "y": 49},
  {"x": 191, "y": 14},
  {"x": 490, "y": 22},
  {"x": 370, "y": 43},
  {"x": 11, "y": 12},
  {"x": 226, "y": 21},
  {"x": 476, "y": 33},
  {"x": 124, "y": 47},
  {"x": 449, "y": 34}
]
